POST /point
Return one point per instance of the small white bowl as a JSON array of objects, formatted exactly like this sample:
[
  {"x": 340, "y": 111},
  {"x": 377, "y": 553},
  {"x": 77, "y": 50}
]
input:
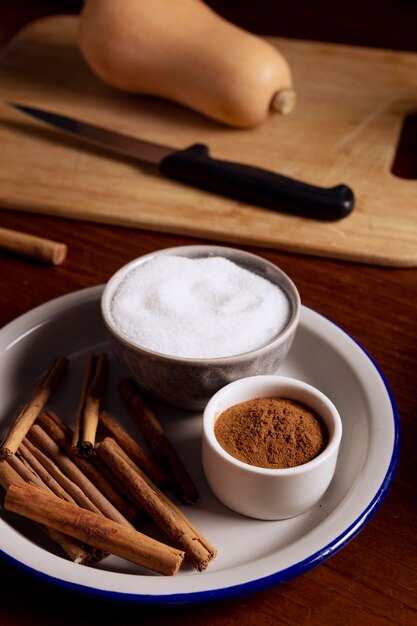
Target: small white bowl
[{"x": 262, "y": 493}]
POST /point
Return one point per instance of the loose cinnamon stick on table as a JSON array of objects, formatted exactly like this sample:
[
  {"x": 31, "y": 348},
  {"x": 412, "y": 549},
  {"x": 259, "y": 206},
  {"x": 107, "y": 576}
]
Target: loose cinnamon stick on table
[
  {"x": 89, "y": 405},
  {"x": 105, "y": 534},
  {"x": 41, "y": 439},
  {"x": 35, "y": 247},
  {"x": 138, "y": 455},
  {"x": 158, "y": 441},
  {"x": 92, "y": 467},
  {"x": 33, "y": 407},
  {"x": 161, "y": 509}
]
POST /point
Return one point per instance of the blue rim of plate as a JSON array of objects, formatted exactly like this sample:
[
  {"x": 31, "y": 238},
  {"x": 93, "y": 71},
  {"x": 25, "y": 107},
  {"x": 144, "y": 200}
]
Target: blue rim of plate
[{"x": 259, "y": 584}]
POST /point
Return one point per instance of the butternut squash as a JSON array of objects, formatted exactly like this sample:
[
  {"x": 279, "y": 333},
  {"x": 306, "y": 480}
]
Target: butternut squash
[{"x": 183, "y": 51}]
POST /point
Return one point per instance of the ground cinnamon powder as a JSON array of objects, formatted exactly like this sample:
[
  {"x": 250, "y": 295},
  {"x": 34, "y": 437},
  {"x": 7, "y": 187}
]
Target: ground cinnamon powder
[{"x": 271, "y": 432}]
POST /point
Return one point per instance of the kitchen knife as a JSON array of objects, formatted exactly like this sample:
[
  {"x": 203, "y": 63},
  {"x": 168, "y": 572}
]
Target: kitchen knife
[{"x": 194, "y": 166}]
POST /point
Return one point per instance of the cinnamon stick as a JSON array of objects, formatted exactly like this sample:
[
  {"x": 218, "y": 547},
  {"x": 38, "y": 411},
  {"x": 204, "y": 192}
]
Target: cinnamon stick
[
  {"x": 89, "y": 405},
  {"x": 134, "y": 450},
  {"x": 27, "y": 473},
  {"x": 161, "y": 509},
  {"x": 73, "y": 549},
  {"x": 40, "y": 437},
  {"x": 9, "y": 475},
  {"x": 92, "y": 467},
  {"x": 165, "y": 499},
  {"x": 158, "y": 441},
  {"x": 78, "y": 429},
  {"x": 31, "y": 455},
  {"x": 36, "y": 504},
  {"x": 33, "y": 246},
  {"x": 32, "y": 408},
  {"x": 70, "y": 491}
]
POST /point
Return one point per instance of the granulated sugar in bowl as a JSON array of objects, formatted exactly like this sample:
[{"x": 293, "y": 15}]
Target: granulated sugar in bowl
[
  {"x": 185, "y": 321},
  {"x": 200, "y": 308}
]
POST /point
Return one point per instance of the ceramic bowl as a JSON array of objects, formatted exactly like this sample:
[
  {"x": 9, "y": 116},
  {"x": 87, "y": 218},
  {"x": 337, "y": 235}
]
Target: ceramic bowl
[
  {"x": 261, "y": 493},
  {"x": 188, "y": 383}
]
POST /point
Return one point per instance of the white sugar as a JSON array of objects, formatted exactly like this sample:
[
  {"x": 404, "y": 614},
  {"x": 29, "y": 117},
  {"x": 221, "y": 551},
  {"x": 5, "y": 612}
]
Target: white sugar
[{"x": 198, "y": 308}]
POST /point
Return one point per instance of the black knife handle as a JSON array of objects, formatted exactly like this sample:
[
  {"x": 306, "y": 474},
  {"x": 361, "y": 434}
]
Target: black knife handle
[{"x": 257, "y": 186}]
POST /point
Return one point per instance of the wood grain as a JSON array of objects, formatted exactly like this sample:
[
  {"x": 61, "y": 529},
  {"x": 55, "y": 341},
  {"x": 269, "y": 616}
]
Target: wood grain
[{"x": 345, "y": 129}]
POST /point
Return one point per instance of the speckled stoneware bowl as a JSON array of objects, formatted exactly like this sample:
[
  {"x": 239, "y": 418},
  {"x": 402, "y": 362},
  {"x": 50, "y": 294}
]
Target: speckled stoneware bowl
[{"x": 189, "y": 383}]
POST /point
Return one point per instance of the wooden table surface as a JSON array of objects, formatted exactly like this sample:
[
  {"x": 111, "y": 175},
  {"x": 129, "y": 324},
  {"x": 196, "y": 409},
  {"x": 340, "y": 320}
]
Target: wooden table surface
[{"x": 373, "y": 580}]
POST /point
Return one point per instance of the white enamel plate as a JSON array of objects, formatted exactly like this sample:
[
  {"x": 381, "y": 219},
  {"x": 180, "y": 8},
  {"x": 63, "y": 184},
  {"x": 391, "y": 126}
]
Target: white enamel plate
[{"x": 253, "y": 555}]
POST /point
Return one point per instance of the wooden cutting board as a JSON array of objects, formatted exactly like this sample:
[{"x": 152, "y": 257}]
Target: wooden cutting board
[{"x": 345, "y": 129}]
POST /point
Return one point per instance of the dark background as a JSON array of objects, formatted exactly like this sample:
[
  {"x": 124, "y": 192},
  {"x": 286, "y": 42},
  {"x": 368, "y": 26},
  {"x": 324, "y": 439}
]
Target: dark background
[{"x": 386, "y": 24}]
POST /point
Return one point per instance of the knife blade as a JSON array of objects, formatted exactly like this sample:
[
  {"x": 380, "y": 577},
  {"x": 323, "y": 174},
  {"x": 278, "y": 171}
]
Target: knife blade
[{"x": 194, "y": 166}]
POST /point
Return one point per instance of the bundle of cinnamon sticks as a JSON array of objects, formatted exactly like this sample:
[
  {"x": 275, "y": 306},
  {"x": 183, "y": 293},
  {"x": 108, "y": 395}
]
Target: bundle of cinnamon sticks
[{"x": 90, "y": 489}]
